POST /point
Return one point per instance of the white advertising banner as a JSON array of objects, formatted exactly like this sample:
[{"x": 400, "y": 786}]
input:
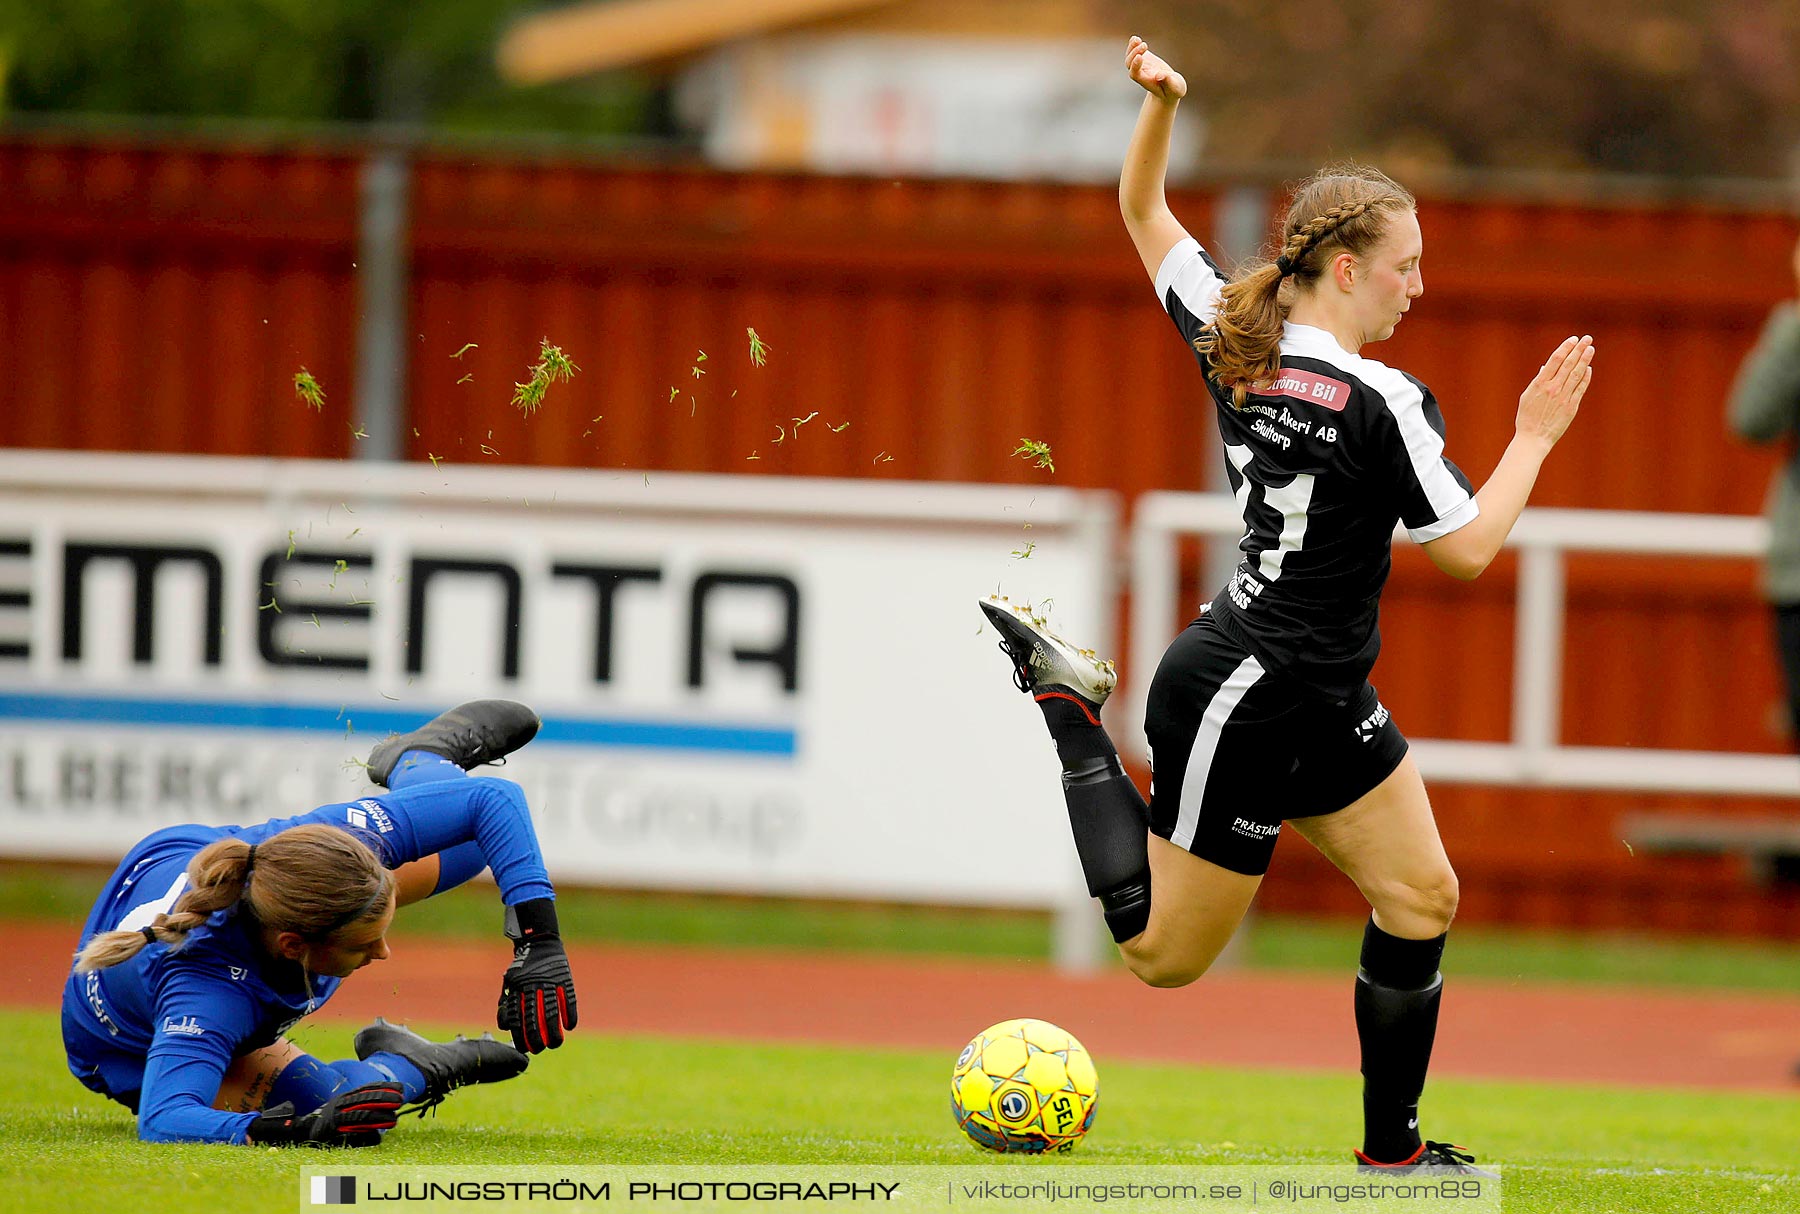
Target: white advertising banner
[{"x": 747, "y": 684}]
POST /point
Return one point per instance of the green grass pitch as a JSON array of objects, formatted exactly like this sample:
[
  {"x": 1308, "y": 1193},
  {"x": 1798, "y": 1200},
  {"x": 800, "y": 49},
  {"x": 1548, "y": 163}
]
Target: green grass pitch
[{"x": 618, "y": 1101}]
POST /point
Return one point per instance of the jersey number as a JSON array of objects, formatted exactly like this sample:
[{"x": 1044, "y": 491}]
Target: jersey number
[{"x": 1290, "y": 501}]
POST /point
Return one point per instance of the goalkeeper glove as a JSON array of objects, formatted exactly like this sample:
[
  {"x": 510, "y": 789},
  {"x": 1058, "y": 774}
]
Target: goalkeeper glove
[
  {"x": 349, "y": 1119},
  {"x": 537, "y": 992}
]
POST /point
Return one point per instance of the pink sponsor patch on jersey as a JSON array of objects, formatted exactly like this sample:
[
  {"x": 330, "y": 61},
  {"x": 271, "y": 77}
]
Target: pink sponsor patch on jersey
[{"x": 1333, "y": 394}]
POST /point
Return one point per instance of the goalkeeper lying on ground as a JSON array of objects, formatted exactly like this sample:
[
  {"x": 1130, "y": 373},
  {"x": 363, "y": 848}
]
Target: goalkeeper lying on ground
[{"x": 209, "y": 943}]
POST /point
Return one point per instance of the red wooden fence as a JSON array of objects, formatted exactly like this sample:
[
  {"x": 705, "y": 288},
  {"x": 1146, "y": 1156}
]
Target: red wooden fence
[{"x": 161, "y": 298}]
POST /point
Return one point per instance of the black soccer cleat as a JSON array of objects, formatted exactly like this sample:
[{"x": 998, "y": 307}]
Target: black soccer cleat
[
  {"x": 1438, "y": 1158},
  {"x": 446, "y": 1065},
  {"x": 1044, "y": 663},
  {"x": 481, "y": 731}
]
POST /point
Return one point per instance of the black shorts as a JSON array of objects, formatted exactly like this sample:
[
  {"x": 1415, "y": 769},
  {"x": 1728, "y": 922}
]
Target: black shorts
[{"x": 1235, "y": 750}]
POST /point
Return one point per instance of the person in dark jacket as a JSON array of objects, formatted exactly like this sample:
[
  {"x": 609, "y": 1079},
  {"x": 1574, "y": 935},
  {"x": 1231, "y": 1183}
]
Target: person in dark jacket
[{"x": 1764, "y": 407}]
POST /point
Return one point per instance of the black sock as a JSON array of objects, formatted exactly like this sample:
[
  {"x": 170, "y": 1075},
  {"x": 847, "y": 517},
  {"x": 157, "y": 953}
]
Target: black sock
[
  {"x": 1074, "y": 727},
  {"x": 1111, "y": 826},
  {"x": 1397, "y": 990}
]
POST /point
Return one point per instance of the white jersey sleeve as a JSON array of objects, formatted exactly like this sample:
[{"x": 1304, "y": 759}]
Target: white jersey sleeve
[
  {"x": 1188, "y": 283},
  {"x": 1434, "y": 496}
]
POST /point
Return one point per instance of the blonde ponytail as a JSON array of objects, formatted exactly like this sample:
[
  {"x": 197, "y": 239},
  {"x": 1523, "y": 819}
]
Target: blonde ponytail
[{"x": 314, "y": 880}]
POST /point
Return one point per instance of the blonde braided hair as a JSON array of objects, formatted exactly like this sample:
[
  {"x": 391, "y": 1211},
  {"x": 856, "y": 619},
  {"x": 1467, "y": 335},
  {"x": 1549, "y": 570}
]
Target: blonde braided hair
[{"x": 1342, "y": 208}]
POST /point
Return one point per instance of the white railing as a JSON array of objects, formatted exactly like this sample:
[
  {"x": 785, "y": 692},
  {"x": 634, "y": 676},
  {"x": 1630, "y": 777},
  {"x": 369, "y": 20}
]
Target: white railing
[{"x": 1535, "y": 755}]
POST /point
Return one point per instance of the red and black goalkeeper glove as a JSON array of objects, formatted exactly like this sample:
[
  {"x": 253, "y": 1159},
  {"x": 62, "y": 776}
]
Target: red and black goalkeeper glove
[
  {"x": 537, "y": 992},
  {"x": 349, "y": 1119}
]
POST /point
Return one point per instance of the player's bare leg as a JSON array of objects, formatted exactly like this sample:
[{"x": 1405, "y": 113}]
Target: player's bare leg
[
  {"x": 1197, "y": 909},
  {"x": 417, "y": 880},
  {"x": 1387, "y": 842}
]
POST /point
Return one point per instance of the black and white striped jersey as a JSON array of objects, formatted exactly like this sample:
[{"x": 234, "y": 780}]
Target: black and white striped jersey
[{"x": 1322, "y": 467}]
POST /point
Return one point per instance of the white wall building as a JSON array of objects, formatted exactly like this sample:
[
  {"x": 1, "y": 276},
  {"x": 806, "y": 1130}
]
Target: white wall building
[{"x": 985, "y": 89}]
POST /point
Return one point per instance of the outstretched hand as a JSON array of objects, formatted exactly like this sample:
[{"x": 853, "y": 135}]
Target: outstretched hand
[
  {"x": 537, "y": 997},
  {"x": 1156, "y": 77},
  {"x": 537, "y": 992},
  {"x": 1550, "y": 402}
]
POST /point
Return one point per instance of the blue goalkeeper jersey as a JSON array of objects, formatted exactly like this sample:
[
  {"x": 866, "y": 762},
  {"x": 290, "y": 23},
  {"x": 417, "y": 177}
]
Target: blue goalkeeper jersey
[{"x": 173, "y": 1019}]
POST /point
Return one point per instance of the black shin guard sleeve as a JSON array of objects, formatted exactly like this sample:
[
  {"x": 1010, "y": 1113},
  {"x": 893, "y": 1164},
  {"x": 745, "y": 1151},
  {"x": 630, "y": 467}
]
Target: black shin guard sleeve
[
  {"x": 1401, "y": 964},
  {"x": 1111, "y": 826},
  {"x": 1398, "y": 988},
  {"x": 1397, "y": 1029}
]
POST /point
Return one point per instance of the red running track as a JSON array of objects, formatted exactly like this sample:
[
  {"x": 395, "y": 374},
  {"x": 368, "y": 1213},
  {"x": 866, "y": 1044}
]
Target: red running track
[{"x": 1490, "y": 1029}]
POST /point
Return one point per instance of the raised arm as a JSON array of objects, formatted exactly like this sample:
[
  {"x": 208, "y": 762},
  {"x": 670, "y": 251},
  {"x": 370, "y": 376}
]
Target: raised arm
[
  {"x": 1546, "y": 408},
  {"x": 1154, "y": 229}
]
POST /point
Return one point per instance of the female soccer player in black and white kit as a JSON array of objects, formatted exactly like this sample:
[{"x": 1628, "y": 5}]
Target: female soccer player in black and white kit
[{"x": 1261, "y": 712}]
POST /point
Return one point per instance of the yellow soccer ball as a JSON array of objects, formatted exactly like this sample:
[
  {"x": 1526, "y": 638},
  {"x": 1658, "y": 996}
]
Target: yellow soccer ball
[{"x": 1024, "y": 1086}]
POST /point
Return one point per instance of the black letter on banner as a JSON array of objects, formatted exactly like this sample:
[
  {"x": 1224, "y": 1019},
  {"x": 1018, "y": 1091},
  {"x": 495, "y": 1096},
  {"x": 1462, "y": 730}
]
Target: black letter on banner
[
  {"x": 268, "y": 621},
  {"x": 607, "y": 580},
  {"x": 785, "y": 657},
  {"x": 426, "y": 568},
  {"x": 144, "y": 564},
  {"x": 12, "y": 647}
]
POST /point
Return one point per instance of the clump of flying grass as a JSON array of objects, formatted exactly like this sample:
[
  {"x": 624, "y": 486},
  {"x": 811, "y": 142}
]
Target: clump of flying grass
[
  {"x": 552, "y": 366},
  {"x": 1034, "y": 449},
  {"x": 759, "y": 349},
  {"x": 306, "y": 387}
]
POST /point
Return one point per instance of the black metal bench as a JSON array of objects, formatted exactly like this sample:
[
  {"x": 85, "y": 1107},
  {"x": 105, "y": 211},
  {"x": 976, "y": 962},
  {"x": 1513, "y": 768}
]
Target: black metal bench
[{"x": 1770, "y": 844}]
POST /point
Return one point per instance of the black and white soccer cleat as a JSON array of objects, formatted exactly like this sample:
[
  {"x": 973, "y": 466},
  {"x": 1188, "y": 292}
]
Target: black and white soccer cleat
[
  {"x": 1044, "y": 663},
  {"x": 481, "y": 731}
]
